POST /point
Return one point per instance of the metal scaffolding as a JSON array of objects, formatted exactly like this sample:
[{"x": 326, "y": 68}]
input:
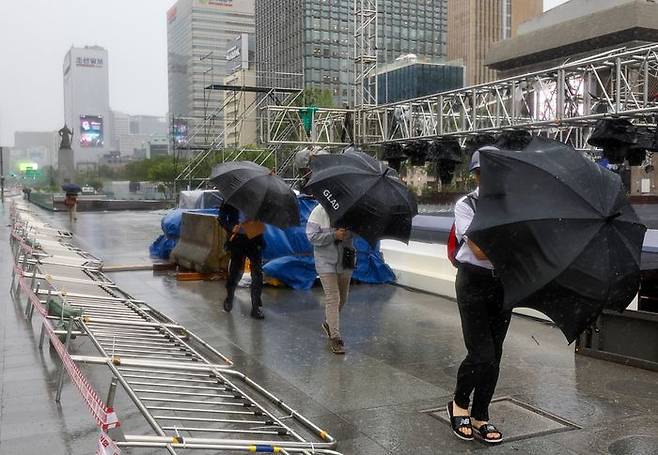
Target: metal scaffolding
[
  {"x": 563, "y": 102},
  {"x": 185, "y": 389}
]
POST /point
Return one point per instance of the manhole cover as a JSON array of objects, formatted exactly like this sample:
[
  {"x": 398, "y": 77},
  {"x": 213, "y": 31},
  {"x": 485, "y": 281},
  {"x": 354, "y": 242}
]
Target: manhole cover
[
  {"x": 517, "y": 420},
  {"x": 637, "y": 445}
]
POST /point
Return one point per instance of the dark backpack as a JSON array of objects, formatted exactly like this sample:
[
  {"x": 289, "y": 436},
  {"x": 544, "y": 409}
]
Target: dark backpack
[{"x": 454, "y": 244}]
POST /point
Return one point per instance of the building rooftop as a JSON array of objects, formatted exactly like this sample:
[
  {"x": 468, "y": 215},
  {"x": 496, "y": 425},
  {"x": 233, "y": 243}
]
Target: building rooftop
[{"x": 577, "y": 27}]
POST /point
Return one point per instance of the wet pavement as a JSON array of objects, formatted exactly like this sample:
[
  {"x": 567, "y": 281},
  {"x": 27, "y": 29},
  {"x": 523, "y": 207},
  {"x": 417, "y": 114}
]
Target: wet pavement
[{"x": 404, "y": 349}]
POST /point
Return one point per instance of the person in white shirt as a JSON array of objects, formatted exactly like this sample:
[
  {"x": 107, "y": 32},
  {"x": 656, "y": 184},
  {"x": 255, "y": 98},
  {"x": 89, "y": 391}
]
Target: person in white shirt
[
  {"x": 329, "y": 249},
  {"x": 484, "y": 327}
]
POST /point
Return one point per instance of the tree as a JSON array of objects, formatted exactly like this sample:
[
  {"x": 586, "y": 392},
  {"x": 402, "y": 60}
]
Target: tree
[
  {"x": 163, "y": 171},
  {"x": 317, "y": 97}
]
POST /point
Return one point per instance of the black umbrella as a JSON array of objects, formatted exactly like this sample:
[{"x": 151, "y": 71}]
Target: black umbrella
[
  {"x": 560, "y": 232},
  {"x": 257, "y": 192},
  {"x": 71, "y": 188},
  {"x": 364, "y": 195}
]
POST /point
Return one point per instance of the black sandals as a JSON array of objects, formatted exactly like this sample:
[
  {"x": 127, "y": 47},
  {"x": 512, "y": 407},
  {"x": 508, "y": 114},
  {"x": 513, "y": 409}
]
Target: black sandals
[
  {"x": 460, "y": 423},
  {"x": 486, "y": 430}
]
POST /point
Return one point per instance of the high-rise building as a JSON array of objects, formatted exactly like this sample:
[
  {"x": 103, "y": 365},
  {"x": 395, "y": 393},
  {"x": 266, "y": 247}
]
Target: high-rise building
[
  {"x": 87, "y": 101},
  {"x": 240, "y": 127},
  {"x": 314, "y": 37},
  {"x": 199, "y": 33},
  {"x": 411, "y": 77},
  {"x": 475, "y": 25}
]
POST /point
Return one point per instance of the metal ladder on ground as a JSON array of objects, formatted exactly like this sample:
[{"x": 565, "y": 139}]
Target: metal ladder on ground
[{"x": 186, "y": 390}]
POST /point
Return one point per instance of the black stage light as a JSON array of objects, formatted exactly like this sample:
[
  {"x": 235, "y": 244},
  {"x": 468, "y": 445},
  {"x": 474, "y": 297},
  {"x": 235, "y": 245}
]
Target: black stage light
[
  {"x": 417, "y": 152},
  {"x": 394, "y": 155},
  {"x": 513, "y": 140},
  {"x": 445, "y": 155}
]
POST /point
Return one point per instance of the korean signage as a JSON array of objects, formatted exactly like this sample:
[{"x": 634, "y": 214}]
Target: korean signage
[
  {"x": 90, "y": 62},
  {"x": 237, "y": 56}
]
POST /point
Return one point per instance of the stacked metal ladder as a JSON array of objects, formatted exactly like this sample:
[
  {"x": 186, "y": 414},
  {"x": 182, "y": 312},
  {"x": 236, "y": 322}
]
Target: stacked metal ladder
[{"x": 186, "y": 390}]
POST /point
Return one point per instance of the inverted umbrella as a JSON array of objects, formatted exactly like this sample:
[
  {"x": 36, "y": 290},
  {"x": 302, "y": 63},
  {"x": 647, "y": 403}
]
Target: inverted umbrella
[
  {"x": 364, "y": 195},
  {"x": 257, "y": 192},
  {"x": 71, "y": 188},
  {"x": 560, "y": 233}
]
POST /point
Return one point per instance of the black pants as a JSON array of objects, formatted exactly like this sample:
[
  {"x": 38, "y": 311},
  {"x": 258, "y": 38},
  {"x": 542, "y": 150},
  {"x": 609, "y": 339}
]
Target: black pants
[
  {"x": 242, "y": 247},
  {"x": 484, "y": 325}
]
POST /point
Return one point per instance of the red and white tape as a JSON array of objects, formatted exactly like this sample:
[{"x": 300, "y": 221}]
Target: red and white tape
[{"x": 104, "y": 415}]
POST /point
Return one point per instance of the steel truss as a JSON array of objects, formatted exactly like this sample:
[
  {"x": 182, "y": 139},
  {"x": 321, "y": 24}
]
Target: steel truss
[
  {"x": 189, "y": 173},
  {"x": 186, "y": 390},
  {"x": 563, "y": 102},
  {"x": 365, "y": 53}
]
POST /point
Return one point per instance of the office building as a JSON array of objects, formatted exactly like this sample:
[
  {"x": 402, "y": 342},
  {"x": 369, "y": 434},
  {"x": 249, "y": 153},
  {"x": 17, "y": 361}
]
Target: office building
[
  {"x": 240, "y": 113},
  {"x": 199, "y": 33},
  {"x": 132, "y": 131},
  {"x": 475, "y": 25},
  {"x": 87, "y": 101},
  {"x": 314, "y": 37},
  {"x": 157, "y": 146},
  {"x": 410, "y": 77}
]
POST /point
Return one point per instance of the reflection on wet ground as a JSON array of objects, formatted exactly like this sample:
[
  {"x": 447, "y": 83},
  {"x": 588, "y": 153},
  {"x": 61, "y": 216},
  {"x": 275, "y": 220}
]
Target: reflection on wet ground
[{"x": 404, "y": 349}]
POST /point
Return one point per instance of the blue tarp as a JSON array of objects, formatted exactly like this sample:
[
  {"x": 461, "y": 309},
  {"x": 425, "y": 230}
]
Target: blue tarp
[{"x": 288, "y": 253}]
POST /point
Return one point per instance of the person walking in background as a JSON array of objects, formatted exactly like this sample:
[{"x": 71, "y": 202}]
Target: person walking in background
[
  {"x": 245, "y": 241},
  {"x": 71, "y": 203},
  {"x": 484, "y": 326},
  {"x": 334, "y": 263}
]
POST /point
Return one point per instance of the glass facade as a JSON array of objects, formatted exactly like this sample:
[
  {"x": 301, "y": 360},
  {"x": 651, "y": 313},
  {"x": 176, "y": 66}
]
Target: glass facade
[
  {"x": 418, "y": 79},
  {"x": 198, "y": 36},
  {"x": 316, "y": 37}
]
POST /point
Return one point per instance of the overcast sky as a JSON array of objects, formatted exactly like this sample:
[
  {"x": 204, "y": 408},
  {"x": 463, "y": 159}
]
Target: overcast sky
[{"x": 36, "y": 34}]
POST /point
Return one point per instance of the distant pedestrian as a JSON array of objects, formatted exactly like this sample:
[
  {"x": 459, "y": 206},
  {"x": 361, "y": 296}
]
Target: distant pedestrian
[
  {"x": 334, "y": 262},
  {"x": 245, "y": 241},
  {"x": 484, "y": 327},
  {"x": 71, "y": 203}
]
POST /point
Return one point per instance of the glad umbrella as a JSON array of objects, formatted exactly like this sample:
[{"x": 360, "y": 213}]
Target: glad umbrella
[
  {"x": 560, "y": 232},
  {"x": 257, "y": 192},
  {"x": 364, "y": 195}
]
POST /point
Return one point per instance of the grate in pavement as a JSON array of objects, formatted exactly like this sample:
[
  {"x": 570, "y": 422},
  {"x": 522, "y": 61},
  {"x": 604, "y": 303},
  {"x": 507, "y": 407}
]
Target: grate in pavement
[{"x": 517, "y": 420}]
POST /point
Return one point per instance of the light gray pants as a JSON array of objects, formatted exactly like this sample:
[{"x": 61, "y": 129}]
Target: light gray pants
[{"x": 336, "y": 290}]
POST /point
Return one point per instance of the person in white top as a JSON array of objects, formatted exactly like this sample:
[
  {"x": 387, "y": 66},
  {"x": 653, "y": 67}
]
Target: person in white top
[
  {"x": 484, "y": 327},
  {"x": 334, "y": 268}
]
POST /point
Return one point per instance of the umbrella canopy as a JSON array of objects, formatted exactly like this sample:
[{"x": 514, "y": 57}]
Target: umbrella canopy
[
  {"x": 71, "y": 188},
  {"x": 364, "y": 195},
  {"x": 257, "y": 193},
  {"x": 560, "y": 232}
]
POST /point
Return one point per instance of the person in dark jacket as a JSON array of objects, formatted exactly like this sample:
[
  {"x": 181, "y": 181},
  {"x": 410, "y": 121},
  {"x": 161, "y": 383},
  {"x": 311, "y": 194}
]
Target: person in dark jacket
[{"x": 245, "y": 241}]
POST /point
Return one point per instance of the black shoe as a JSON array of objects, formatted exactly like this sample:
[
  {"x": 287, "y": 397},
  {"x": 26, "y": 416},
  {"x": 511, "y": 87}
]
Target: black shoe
[
  {"x": 257, "y": 313},
  {"x": 336, "y": 346},
  {"x": 228, "y": 305}
]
